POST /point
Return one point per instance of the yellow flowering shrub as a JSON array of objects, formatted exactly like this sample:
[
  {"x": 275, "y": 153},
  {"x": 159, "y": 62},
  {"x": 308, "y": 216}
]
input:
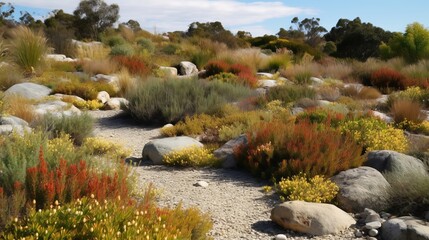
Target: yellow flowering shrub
[
  {"x": 411, "y": 126},
  {"x": 86, "y": 105},
  {"x": 57, "y": 147},
  {"x": 100, "y": 146},
  {"x": 299, "y": 187},
  {"x": 374, "y": 134},
  {"x": 191, "y": 157}
]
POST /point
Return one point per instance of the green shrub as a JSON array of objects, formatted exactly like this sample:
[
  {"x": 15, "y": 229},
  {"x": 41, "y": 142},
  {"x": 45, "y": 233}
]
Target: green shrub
[
  {"x": 113, "y": 41},
  {"x": 100, "y": 146},
  {"x": 191, "y": 157},
  {"x": 277, "y": 149},
  {"x": 277, "y": 62},
  {"x": 28, "y": 49},
  {"x": 170, "y": 49},
  {"x": 415, "y": 94},
  {"x": 122, "y": 50},
  {"x": 300, "y": 187},
  {"x": 201, "y": 58},
  {"x": 303, "y": 78},
  {"x": 77, "y": 126},
  {"x": 91, "y": 219},
  {"x": 374, "y": 134},
  {"x": 290, "y": 93},
  {"x": 146, "y": 45},
  {"x": 170, "y": 100}
]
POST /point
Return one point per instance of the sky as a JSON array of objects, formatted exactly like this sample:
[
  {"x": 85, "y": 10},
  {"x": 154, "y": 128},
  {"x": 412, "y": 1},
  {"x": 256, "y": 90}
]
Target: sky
[{"x": 258, "y": 17}]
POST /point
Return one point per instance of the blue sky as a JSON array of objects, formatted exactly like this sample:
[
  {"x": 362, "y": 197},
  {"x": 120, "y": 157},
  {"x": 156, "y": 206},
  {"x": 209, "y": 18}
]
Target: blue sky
[{"x": 258, "y": 17}]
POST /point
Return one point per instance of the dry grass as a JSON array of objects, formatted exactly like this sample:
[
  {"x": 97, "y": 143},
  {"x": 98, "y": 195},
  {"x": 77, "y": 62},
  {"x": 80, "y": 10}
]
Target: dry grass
[
  {"x": 20, "y": 107},
  {"x": 369, "y": 93},
  {"x": 94, "y": 52},
  {"x": 328, "y": 93},
  {"x": 99, "y": 66},
  {"x": 407, "y": 110},
  {"x": 250, "y": 57},
  {"x": 127, "y": 33},
  {"x": 312, "y": 69},
  {"x": 126, "y": 81},
  {"x": 337, "y": 70}
]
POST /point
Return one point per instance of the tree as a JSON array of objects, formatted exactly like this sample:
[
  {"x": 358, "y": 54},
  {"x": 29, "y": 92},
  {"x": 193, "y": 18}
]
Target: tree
[
  {"x": 60, "y": 30},
  {"x": 213, "y": 31},
  {"x": 357, "y": 40},
  {"x": 133, "y": 24},
  {"x": 308, "y": 30},
  {"x": 93, "y": 17},
  {"x": 6, "y": 11},
  {"x": 413, "y": 45}
]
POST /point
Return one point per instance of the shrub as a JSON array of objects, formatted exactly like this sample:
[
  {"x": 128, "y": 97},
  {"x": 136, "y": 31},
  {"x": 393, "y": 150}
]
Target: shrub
[
  {"x": 134, "y": 65},
  {"x": 299, "y": 187},
  {"x": 276, "y": 149},
  {"x": 9, "y": 76},
  {"x": 99, "y": 146},
  {"x": 303, "y": 78},
  {"x": 387, "y": 79},
  {"x": 86, "y": 105},
  {"x": 19, "y": 106},
  {"x": 170, "y": 100},
  {"x": 415, "y": 94},
  {"x": 87, "y": 90},
  {"x": 170, "y": 49},
  {"x": 93, "y": 67},
  {"x": 328, "y": 93},
  {"x": 122, "y": 50},
  {"x": 224, "y": 77},
  {"x": 191, "y": 157},
  {"x": 374, "y": 134},
  {"x": 368, "y": 93},
  {"x": 77, "y": 126},
  {"x": 321, "y": 116},
  {"x": 201, "y": 58},
  {"x": 290, "y": 93},
  {"x": 91, "y": 219},
  {"x": 277, "y": 62},
  {"x": 113, "y": 41},
  {"x": 28, "y": 49},
  {"x": 302, "y": 71},
  {"x": 146, "y": 45},
  {"x": 92, "y": 51},
  {"x": 216, "y": 67},
  {"x": 245, "y": 74},
  {"x": 407, "y": 110}
]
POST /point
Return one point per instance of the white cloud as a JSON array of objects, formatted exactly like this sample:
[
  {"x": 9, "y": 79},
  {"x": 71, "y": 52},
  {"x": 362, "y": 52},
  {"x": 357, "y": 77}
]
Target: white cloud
[{"x": 170, "y": 15}]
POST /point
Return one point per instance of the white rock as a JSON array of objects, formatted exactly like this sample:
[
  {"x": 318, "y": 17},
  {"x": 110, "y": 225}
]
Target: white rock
[
  {"x": 28, "y": 90},
  {"x": 382, "y": 116},
  {"x": 188, "y": 68},
  {"x": 168, "y": 125},
  {"x": 265, "y": 75},
  {"x": 103, "y": 96},
  {"x": 170, "y": 71},
  {"x": 316, "y": 80},
  {"x": 203, "y": 184},
  {"x": 358, "y": 233},
  {"x": 267, "y": 83},
  {"x": 373, "y": 225},
  {"x": 116, "y": 103},
  {"x": 373, "y": 232},
  {"x": 280, "y": 237}
]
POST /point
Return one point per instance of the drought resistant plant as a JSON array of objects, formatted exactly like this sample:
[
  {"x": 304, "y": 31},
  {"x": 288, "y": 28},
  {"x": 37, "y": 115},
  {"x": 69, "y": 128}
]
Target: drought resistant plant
[
  {"x": 300, "y": 187},
  {"x": 387, "y": 80},
  {"x": 134, "y": 65},
  {"x": 28, "y": 49},
  {"x": 87, "y": 90},
  {"x": 290, "y": 93},
  {"x": 191, "y": 157},
  {"x": 122, "y": 50},
  {"x": 170, "y": 100},
  {"x": 99, "y": 146},
  {"x": 402, "y": 110}
]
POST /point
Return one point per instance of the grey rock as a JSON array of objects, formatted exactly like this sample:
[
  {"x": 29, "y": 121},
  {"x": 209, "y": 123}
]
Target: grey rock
[
  {"x": 371, "y": 238},
  {"x": 356, "y": 86},
  {"x": 9, "y": 129},
  {"x": 361, "y": 188},
  {"x": 358, "y": 233},
  {"x": 311, "y": 218},
  {"x": 406, "y": 227},
  {"x": 316, "y": 80},
  {"x": 12, "y": 120},
  {"x": 382, "y": 116},
  {"x": 267, "y": 83},
  {"x": 116, "y": 103},
  {"x": 56, "y": 108},
  {"x": 156, "y": 149},
  {"x": 59, "y": 58},
  {"x": 170, "y": 71},
  {"x": 28, "y": 90},
  {"x": 373, "y": 232},
  {"x": 373, "y": 225},
  {"x": 260, "y": 92},
  {"x": 187, "y": 68},
  {"x": 373, "y": 218},
  {"x": 280, "y": 237},
  {"x": 391, "y": 161},
  {"x": 62, "y": 96},
  {"x": 297, "y": 110},
  {"x": 226, "y": 152}
]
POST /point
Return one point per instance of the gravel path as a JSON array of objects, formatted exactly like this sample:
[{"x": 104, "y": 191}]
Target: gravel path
[{"x": 234, "y": 199}]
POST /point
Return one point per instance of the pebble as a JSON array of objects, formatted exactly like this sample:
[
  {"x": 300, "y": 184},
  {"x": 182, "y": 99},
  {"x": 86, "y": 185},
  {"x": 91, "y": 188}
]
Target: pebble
[
  {"x": 371, "y": 238},
  {"x": 373, "y": 232},
  {"x": 373, "y": 225},
  {"x": 358, "y": 233},
  {"x": 280, "y": 237},
  {"x": 203, "y": 184},
  {"x": 372, "y": 218}
]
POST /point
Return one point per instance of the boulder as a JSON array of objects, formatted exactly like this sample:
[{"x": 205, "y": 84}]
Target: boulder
[
  {"x": 187, "y": 68},
  {"x": 169, "y": 71},
  {"x": 382, "y": 116},
  {"x": 316, "y": 81},
  {"x": 406, "y": 227},
  {"x": 267, "y": 83},
  {"x": 116, "y": 104},
  {"x": 103, "y": 96},
  {"x": 110, "y": 79},
  {"x": 64, "y": 96},
  {"x": 12, "y": 120},
  {"x": 391, "y": 161},
  {"x": 226, "y": 152},
  {"x": 9, "y": 129},
  {"x": 156, "y": 149},
  {"x": 59, "y": 58},
  {"x": 356, "y": 86},
  {"x": 311, "y": 218},
  {"x": 28, "y": 90},
  {"x": 56, "y": 108},
  {"x": 265, "y": 75},
  {"x": 361, "y": 188}
]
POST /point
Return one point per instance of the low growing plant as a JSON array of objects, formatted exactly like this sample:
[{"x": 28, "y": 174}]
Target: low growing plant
[
  {"x": 191, "y": 157},
  {"x": 290, "y": 93}
]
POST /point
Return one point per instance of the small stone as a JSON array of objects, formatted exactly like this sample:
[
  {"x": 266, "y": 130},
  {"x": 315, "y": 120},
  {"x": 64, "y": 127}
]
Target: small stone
[
  {"x": 372, "y": 218},
  {"x": 373, "y": 232},
  {"x": 203, "y": 184},
  {"x": 385, "y": 215},
  {"x": 358, "y": 233},
  {"x": 371, "y": 238},
  {"x": 373, "y": 225},
  {"x": 280, "y": 237}
]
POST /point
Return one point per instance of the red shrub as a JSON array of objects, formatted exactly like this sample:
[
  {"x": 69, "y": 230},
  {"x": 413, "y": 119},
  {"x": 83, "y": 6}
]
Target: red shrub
[
  {"x": 277, "y": 150},
  {"x": 133, "y": 64},
  {"x": 244, "y": 74},
  {"x": 69, "y": 182},
  {"x": 410, "y": 82},
  {"x": 216, "y": 67},
  {"x": 388, "y": 79}
]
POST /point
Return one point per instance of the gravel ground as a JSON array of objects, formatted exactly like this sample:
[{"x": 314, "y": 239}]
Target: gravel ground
[{"x": 234, "y": 199}]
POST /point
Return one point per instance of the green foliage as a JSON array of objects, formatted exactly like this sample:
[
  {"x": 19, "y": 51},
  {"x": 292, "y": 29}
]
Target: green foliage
[
  {"x": 191, "y": 157},
  {"x": 277, "y": 62},
  {"x": 87, "y": 90},
  {"x": 122, "y": 50},
  {"x": 290, "y": 93},
  {"x": 28, "y": 49},
  {"x": 99, "y": 146},
  {"x": 302, "y": 188},
  {"x": 112, "y": 219},
  {"x": 170, "y": 100},
  {"x": 146, "y": 45},
  {"x": 77, "y": 126},
  {"x": 297, "y": 47},
  {"x": 373, "y": 133},
  {"x": 115, "y": 40},
  {"x": 277, "y": 149},
  {"x": 414, "y": 94}
]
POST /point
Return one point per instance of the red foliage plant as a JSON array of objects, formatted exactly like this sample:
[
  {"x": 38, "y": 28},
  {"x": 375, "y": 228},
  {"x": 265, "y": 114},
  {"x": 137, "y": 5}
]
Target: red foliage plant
[
  {"x": 216, "y": 67},
  {"x": 133, "y": 64},
  {"x": 69, "y": 182},
  {"x": 243, "y": 72},
  {"x": 387, "y": 79},
  {"x": 277, "y": 150}
]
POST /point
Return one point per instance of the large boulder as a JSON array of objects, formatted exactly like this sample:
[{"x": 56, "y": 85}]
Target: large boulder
[
  {"x": 187, "y": 68},
  {"x": 103, "y": 97},
  {"x": 8, "y": 129},
  {"x": 311, "y": 218},
  {"x": 56, "y": 108},
  {"x": 12, "y": 120},
  {"x": 155, "y": 150},
  {"x": 361, "y": 188},
  {"x": 407, "y": 227},
  {"x": 28, "y": 90},
  {"x": 116, "y": 104},
  {"x": 391, "y": 161},
  {"x": 226, "y": 152}
]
